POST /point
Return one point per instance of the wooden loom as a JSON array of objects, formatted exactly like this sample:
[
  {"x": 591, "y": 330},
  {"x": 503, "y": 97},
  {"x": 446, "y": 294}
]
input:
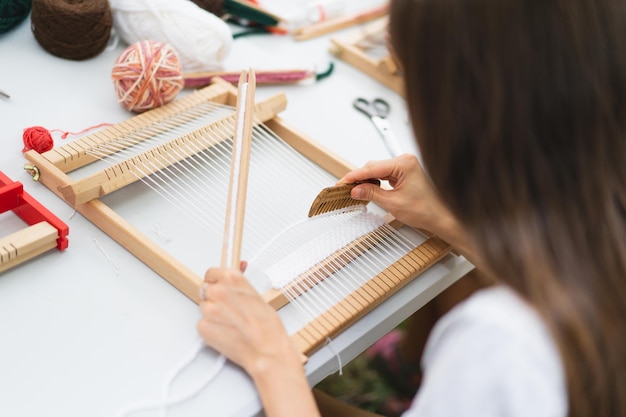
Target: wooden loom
[
  {"x": 86, "y": 194},
  {"x": 357, "y": 50},
  {"x": 45, "y": 231}
]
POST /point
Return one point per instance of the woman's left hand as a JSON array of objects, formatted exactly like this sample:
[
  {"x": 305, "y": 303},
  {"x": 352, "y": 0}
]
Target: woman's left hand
[{"x": 237, "y": 322}]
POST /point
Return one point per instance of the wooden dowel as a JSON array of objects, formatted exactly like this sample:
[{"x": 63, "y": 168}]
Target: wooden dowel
[
  {"x": 327, "y": 26},
  {"x": 236, "y": 203}
]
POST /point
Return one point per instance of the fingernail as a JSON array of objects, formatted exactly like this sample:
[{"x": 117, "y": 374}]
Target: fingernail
[{"x": 359, "y": 193}]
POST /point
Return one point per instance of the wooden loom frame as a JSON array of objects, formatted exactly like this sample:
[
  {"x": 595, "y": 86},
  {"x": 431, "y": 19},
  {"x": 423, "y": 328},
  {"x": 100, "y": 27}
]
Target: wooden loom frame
[
  {"x": 52, "y": 168},
  {"x": 383, "y": 70}
]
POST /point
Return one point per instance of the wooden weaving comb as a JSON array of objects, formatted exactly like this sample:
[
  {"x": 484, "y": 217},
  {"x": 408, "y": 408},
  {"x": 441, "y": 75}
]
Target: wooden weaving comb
[{"x": 336, "y": 197}]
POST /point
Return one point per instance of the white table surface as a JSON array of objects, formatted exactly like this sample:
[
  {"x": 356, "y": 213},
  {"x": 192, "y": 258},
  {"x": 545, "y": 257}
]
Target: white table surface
[{"x": 90, "y": 330}]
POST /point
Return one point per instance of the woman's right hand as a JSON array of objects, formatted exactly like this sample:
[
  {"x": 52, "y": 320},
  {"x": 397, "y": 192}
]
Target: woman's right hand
[{"x": 412, "y": 199}]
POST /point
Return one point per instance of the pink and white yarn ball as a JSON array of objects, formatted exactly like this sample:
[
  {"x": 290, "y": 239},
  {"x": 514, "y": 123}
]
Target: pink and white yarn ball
[{"x": 147, "y": 75}]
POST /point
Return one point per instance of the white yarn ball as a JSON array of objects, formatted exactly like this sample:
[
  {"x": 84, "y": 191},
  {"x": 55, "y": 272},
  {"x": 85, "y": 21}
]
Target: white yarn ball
[{"x": 201, "y": 39}]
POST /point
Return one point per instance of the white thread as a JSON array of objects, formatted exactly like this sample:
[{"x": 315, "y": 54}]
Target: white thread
[
  {"x": 330, "y": 347},
  {"x": 183, "y": 180},
  {"x": 166, "y": 401},
  {"x": 106, "y": 255},
  {"x": 317, "y": 238},
  {"x": 293, "y": 226},
  {"x": 201, "y": 39},
  {"x": 157, "y": 231}
]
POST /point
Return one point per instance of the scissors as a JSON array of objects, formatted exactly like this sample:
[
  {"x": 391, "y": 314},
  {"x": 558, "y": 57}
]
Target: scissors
[{"x": 377, "y": 110}]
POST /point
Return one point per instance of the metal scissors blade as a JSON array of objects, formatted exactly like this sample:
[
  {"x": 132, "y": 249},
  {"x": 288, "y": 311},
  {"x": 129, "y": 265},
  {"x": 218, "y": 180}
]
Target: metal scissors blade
[{"x": 377, "y": 111}]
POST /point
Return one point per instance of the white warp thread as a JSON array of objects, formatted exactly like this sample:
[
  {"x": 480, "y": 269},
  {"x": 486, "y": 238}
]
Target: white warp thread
[
  {"x": 201, "y": 39},
  {"x": 307, "y": 243},
  {"x": 167, "y": 401},
  {"x": 330, "y": 347}
]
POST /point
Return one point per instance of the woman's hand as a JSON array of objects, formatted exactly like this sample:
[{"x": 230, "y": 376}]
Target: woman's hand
[
  {"x": 413, "y": 200},
  {"x": 237, "y": 322}
]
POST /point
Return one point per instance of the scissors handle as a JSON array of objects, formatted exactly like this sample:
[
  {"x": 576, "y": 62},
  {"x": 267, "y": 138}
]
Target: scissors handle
[
  {"x": 363, "y": 106},
  {"x": 377, "y": 107}
]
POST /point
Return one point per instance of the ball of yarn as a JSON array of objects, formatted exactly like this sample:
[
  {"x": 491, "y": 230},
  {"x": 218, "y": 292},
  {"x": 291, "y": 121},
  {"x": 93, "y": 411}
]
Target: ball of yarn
[
  {"x": 72, "y": 29},
  {"x": 146, "y": 75},
  {"x": 201, "y": 39},
  {"x": 12, "y": 13},
  {"x": 37, "y": 138}
]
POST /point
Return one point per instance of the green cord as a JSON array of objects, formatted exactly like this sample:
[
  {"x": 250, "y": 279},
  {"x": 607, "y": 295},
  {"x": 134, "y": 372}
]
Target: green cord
[{"x": 322, "y": 75}]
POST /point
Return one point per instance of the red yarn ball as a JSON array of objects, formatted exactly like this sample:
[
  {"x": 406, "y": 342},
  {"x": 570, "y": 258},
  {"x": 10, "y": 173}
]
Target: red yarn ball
[
  {"x": 37, "y": 138},
  {"x": 147, "y": 75}
]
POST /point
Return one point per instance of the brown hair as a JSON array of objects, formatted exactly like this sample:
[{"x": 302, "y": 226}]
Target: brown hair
[{"x": 519, "y": 108}]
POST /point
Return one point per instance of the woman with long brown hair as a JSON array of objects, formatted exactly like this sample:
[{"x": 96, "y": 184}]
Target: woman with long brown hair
[{"x": 519, "y": 110}]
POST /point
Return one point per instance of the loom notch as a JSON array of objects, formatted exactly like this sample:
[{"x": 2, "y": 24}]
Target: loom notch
[{"x": 133, "y": 169}]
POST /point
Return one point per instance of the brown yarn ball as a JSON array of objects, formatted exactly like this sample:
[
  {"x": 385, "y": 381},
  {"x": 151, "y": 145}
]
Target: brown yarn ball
[
  {"x": 214, "y": 6},
  {"x": 72, "y": 29}
]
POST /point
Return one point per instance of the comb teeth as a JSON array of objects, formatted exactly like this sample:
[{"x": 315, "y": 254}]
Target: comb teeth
[{"x": 335, "y": 198}]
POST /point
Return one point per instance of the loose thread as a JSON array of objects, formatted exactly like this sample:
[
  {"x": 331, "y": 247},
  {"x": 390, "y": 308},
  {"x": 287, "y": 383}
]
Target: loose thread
[
  {"x": 166, "y": 400},
  {"x": 160, "y": 233},
  {"x": 65, "y": 134},
  {"x": 329, "y": 344},
  {"x": 106, "y": 255}
]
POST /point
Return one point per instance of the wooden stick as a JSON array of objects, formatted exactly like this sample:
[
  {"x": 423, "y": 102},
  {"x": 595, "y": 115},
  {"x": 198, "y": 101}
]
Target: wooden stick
[
  {"x": 327, "y": 26},
  {"x": 236, "y": 203}
]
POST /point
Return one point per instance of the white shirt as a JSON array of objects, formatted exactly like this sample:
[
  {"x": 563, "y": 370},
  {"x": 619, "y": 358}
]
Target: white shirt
[{"x": 491, "y": 356}]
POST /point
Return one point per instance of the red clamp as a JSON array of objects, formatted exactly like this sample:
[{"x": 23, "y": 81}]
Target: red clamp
[{"x": 13, "y": 197}]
